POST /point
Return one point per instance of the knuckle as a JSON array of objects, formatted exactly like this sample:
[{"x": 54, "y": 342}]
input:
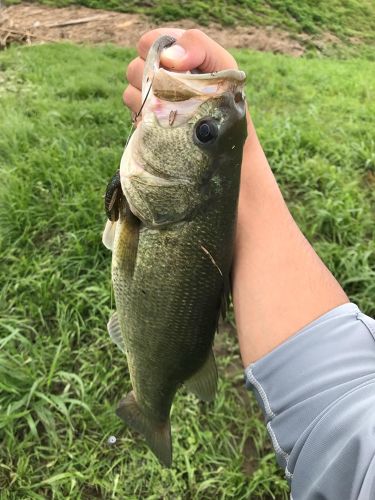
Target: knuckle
[
  {"x": 233, "y": 61},
  {"x": 196, "y": 33},
  {"x": 127, "y": 95},
  {"x": 130, "y": 70},
  {"x": 134, "y": 72},
  {"x": 142, "y": 44}
]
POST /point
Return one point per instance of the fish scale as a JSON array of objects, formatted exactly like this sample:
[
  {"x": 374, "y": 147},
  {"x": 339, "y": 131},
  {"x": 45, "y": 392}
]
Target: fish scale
[{"x": 173, "y": 243}]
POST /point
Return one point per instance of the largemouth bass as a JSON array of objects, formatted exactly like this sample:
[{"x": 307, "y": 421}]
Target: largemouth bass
[{"x": 172, "y": 213}]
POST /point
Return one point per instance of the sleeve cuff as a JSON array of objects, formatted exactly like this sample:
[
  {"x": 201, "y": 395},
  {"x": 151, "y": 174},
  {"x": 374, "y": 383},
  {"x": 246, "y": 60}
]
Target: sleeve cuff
[{"x": 302, "y": 379}]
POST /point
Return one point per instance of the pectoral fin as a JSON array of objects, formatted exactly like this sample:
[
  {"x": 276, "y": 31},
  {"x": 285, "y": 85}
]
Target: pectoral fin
[
  {"x": 108, "y": 237},
  {"x": 112, "y": 197},
  {"x": 128, "y": 237},
  {"x": 114, "y": 331},
  {"x": 158, "y": 435},
  {"x": 121, "y": 225},
  {"x": 204, "y": 382},
  {"x": 112, "y": 201}
]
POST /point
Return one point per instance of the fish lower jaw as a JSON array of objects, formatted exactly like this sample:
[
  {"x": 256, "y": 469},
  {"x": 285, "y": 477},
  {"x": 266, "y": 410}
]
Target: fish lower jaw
[{"x": 140, "y": 172}]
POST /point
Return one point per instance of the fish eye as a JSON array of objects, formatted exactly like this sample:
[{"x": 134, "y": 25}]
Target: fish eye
[{"x": 206, "y": 130}]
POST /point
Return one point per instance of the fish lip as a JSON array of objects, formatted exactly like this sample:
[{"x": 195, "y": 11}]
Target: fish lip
[
  {"x": 166, "y": 93},
  {"x": 152, "y": 65},
  {"x": 172, "y": 86},
  {"x": 183, "y": 83},
  {"x": 174, "y": 94},
  {"x": 230, "y": 74}
]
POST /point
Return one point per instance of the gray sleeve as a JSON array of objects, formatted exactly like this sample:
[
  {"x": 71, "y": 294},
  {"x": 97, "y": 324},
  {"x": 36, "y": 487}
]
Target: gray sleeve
[{"x": 317, "y": 392}]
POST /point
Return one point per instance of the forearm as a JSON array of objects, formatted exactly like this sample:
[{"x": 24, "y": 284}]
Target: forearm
[
  {"x": 279, "y": 282},
  {"x": 317, "y": 394}
]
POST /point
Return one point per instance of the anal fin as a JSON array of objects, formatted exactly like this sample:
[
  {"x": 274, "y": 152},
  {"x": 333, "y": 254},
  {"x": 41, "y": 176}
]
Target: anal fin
[
  {"x": 157, "y": 435},
  {"x": 114, "y": 331},
  {"x": 204, "y": 382}
]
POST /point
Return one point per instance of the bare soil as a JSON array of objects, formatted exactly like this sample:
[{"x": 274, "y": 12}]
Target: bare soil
[{"x": 32, "y": 23}]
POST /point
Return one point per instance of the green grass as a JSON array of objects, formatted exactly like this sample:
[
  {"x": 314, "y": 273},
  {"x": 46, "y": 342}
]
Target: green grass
[
  {"x": 344, "y": 18},
  {"x": 62, "y": 130}
]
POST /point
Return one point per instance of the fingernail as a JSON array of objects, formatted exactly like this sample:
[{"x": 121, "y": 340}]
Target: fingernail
[{"x": 174, "y": 52}]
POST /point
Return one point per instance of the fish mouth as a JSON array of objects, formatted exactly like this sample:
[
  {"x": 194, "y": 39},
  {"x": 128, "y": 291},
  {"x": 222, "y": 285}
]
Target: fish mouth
[
  {"x": 172, "y": 97},
  {"x": 176, "y": 87}
]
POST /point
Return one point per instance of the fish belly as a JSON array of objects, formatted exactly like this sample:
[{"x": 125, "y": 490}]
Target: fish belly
[{"x": 168, "y": 308}]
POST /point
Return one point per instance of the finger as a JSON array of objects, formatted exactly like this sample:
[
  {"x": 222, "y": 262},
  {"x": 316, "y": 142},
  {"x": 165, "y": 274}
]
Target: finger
[
  {"x": 132, "y": 98},
  {"x": 134, "y": 72},
  {"x": 149, "y": 38},
  {"x": 194, "y": 49}
]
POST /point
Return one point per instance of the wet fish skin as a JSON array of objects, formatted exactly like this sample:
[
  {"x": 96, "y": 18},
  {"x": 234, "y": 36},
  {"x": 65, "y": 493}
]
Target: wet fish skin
[{"x": 172, "y": 254}]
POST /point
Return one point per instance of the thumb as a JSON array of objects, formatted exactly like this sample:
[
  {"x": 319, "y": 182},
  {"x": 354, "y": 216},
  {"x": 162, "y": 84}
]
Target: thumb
[{"x": 195, "y": 50}]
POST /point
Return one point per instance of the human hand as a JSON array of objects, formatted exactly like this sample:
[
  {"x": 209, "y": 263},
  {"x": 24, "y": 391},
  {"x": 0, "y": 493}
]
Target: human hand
[{"x": 193, "y": 50}]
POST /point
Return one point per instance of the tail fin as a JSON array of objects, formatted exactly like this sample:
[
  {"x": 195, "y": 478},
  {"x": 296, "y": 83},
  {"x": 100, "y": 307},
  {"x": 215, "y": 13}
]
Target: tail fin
[{"x": 158, "y": 436}]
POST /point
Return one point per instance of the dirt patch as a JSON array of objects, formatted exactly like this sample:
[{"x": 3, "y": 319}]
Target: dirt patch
[
  {"x": 370, "y": 178},
  {"x": 249, "y": 453},
  {"x": 31, "y": 23}
]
